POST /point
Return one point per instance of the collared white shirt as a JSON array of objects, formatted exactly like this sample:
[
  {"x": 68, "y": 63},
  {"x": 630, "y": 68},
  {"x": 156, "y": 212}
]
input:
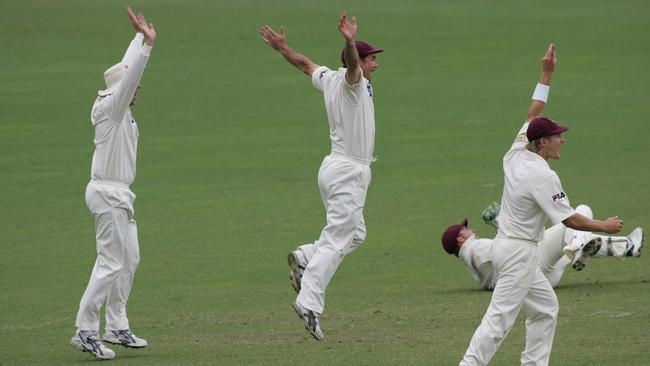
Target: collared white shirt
[
  {"x": 531, "y": 193},
  {"x": 350, "y": 112},
  {"x": 116, "y": 132},
  {"x": 477, "y": 255}
]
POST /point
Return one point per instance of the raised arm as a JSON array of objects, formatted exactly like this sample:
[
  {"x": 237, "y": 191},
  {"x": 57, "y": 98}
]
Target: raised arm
[
  {"x": 350, "y": 55},
  {"x": 136, "y": 43},
  {"x": 278, "y": 41},
  {"x": 541, "y": 91},
  {"x": 129, "y": 84},
  {"x": 579, "y": 222}
]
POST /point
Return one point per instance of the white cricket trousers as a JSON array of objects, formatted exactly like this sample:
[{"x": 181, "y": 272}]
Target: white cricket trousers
[
  {"x": 521, "y": 285},
  {"x": 118, "y": 256},
  {"x": 343, "y": 184},
  {"x": 552, "y": 260}
]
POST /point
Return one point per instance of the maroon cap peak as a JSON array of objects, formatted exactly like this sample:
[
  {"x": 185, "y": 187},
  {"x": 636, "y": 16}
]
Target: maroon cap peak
[
  {"x": 543, "y": 126},
  {"x": 450, "y": 236},
  {"x": 363, "y": 49}
]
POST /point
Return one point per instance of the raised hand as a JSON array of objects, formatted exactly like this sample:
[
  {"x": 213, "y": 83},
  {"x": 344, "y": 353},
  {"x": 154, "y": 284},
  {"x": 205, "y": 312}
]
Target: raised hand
[
  {"x": 134, "y": 20},
  {"x": 147, "y": 29},
  {"x": 550, "y": 59},
  {"x": 348, "y": 29},
  {"x": 276, "y": 40},
  {"x": 140, "y": 25}
]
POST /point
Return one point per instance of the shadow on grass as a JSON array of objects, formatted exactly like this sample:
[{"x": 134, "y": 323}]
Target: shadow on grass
[
  {"x": 600, "y": 284},
  {"x": 467, "y": 290},
  {"x": 570, "y": 286},
  {"x": 119, "y": 356}
]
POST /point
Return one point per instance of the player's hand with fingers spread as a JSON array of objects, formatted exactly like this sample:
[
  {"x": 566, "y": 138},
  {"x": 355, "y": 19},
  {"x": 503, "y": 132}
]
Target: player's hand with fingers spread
[
  {"x": 613, "y": 225},
  {"x": 148, "y": 30},
  {"x": 134, "y": 20},
  {"x": 140, "y": 25},
  {"x": 550, "y": 59},
  {"x": 276, "y": 40},
  {"x": 348, "y": 29}
]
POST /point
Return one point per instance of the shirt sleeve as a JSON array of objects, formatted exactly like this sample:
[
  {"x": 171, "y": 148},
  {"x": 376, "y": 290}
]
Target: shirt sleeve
[
  {"x": 320, "y": 77},
  {"x": 125, "y": 91},
  {"x": 477, "y": 258},
  {"x": 467, "y": 255},
  {"x": 521, "y": 140},
  {"x": 353, "y": 91},
  {"x": 134, "y": 47},
  {"x": 550, "y": 196}
]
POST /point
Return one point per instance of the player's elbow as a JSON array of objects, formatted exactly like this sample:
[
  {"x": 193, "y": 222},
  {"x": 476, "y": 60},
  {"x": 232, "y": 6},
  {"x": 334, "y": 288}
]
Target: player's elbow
[
  {"x": 570, "y": 222},
  {"x": 577, "y": 222}
]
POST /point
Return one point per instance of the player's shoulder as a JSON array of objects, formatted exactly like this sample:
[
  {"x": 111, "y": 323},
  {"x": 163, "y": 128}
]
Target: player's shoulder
[
  {"x": 102, "y": 103},
  {"x": 320, "y": 77},
  {"x": 480, "y": 244},
  {"x": 102, "y": 108},
  {"x": 322, "y": 72}
]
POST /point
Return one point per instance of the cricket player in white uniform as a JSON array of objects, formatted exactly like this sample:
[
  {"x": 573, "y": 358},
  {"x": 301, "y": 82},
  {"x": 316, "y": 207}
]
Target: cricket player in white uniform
[
  {"x": 532, "y": 193},
  {"x": 110, "y": 200},
  {"x": 560, "y": 247},
  {"x": 344, "y": 175}
]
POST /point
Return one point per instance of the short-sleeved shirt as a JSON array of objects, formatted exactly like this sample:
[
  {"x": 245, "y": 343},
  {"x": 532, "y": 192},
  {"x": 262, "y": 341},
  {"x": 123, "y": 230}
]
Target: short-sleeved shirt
[
  {"x": 531, "y": 193},
  {"x": 477, "y": 255},
  {"x": 350, "y": 112}
]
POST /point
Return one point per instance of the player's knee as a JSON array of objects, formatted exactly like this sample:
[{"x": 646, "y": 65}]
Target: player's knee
[
  {"x": 553, "y": 309},
  {"x": 109, "y": 267},
  {"x": 332, "y": 248},
  {"x": 340, "y": 253},
  {"x": 585, "y": 210},
  {"x": 135, "y": 261}
]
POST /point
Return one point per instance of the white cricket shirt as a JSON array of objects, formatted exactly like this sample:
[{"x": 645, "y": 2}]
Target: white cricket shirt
[
  {"x": 477, "y": 255},
  {"x": 350, "y": 112},
  {"x": 531, "y": 193},
  {"x": 116, "y": 133}
]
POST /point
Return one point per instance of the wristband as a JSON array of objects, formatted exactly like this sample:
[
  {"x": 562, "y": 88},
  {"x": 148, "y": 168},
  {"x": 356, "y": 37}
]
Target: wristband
[{"x": 541, "y": 92}]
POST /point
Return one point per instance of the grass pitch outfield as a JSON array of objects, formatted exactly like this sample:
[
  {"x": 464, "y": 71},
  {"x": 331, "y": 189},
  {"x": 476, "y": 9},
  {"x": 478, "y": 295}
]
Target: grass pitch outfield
[{"x": 231, "y": 138}]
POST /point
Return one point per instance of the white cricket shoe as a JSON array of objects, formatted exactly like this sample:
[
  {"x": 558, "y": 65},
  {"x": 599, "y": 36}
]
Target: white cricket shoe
[
  {"x": 311, "y": 320},
  {"x": 88, "y": 341},
  {"x": 634, "y": 243},
  {"x": 297, "y": 264},
  {"x": 124, "y": 338},
  {"x": 588, "y": 250}
]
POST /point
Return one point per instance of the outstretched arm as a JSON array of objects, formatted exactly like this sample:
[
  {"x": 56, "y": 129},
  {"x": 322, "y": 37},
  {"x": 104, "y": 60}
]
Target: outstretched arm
[
  {"x": 579, "y": 222},
  {"x": 136, "y": 43},
  {"x": 278, "y": 41},
  {"x": 541, "y": 91},
  {"x": 129, "y": 84},
  {"x": 350, "y": 55}
]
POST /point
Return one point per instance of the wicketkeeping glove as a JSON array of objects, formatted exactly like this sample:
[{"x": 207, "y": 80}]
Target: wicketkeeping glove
[{"x": 491, "y": 215}]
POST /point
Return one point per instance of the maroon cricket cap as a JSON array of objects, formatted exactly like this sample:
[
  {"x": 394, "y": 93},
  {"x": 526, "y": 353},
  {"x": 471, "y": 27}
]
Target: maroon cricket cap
[
  {"x": 363, "y": 49},
  {"x": 543, "y": 126},
  {"x": 449, "y": 237}
]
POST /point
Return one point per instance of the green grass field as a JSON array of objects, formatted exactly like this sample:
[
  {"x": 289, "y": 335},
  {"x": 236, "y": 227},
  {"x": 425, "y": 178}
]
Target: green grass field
[{"x": 231, "y": 139}]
